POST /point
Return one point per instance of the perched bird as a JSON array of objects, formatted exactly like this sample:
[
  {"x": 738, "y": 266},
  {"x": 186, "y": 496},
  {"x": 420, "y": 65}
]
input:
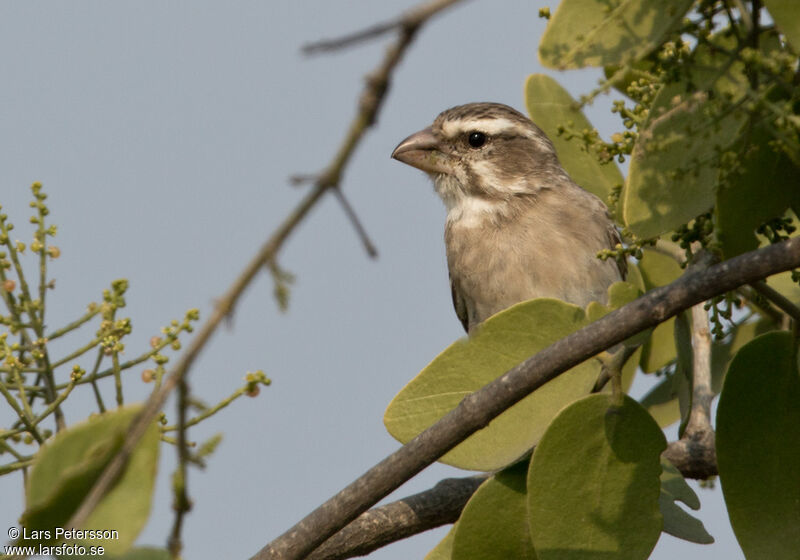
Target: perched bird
[{"x": 517, "y": 227}]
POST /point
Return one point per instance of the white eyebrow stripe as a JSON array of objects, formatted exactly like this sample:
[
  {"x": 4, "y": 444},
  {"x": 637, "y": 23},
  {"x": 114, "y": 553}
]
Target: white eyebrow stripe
[{"x": 487, "y": 126}]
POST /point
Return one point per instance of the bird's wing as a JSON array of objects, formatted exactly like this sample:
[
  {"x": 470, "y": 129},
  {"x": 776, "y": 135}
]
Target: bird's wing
[{"x": 459, "y": 304}]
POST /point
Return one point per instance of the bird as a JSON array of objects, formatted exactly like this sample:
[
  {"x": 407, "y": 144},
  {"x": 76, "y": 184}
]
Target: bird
[{"x": 517, "y": 226}]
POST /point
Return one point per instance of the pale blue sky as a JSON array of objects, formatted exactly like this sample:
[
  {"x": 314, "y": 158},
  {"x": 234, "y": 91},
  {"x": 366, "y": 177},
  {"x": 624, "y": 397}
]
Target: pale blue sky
[{"x": 164, "y": 133}]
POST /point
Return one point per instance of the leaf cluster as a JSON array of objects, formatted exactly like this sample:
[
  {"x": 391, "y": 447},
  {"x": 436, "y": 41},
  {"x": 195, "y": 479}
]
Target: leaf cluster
[
  {"x": 61, "y": 463},
  {"x": 710, "y": 125}
]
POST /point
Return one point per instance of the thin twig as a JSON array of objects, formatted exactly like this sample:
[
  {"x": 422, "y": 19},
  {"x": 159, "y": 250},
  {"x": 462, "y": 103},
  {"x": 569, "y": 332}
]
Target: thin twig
[
  {"x": 369, "y": 247},
  {"x": 351, "y": 39},
  {"x": 224, "y": 306},
  {"x": 182, "y": 504},
  {"x": 414, "y": 17},
  {"x": 753, "y": 299},
  {"x": 613, "y": 366},
  {"x": 370, "y": 102},
  {"x": 371, "y": 99},
  {"x": 479, "y": 408},
  {"x": 745, "y": 14},
  {"x": 777, "y": 298}
]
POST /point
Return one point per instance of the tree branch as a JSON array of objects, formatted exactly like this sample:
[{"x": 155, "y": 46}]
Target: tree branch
[
  {"x": 398, "y": 520},
  {"x": 780, "y": 301},
  {"x": 442, "y": 505},
  {"x": 224, "y": 306},
  {"x": 413, "y": 18},
  {"x": 479, "y": 408},
  {"x": 370, "y": 103},
  {"x": 695, "y": 453}
]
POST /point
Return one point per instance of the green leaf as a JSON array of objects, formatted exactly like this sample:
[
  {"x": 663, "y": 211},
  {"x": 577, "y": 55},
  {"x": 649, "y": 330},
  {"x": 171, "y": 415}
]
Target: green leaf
[
  {"x": 634, "y": 276},
  {"x": 786, "y": 15},
  {"x": 758, "y": 447},
  {"x": 657, "y": 270},
  {"x": 503, "y": 341},
  {"x": 674, "y": 168},
  {"x": 602, "y": 32},
  {"x": 619, "y": 294},
  {"x": 67, "y": 467},
  {"x": 659, "y": 349},
  {"x": 677, "y": 522},
  {"x": 444, "y": 550},
  {"x": 494, "y": 523},
  {"x": 743, "y": 203},
  {"x": 662, "y": 401},
  {"x": 550, "y": 106},
  {"x": 784, "y": 284},
  {"x": 722, "y": 351},
  {"x": 594, "y": 483}
]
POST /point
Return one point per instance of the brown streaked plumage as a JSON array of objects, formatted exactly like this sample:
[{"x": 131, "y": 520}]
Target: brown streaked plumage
[{"x": 517, "y": 226}]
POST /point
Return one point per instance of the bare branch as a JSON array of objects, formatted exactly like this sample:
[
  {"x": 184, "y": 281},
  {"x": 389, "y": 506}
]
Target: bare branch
[
  {"x": 362, "y": 233},
  {"x": 695, "y": 452},
  {"x": 351, "y": 39},
  {"x": 700, "y": 415},
  {"x": 442, "y": 505},
  {"x": 695, "y": 456},
  {"x": 780, "y": 301},
  {"x": 412, "y": 18},
  {"x": 753, "y": 299},
  {"x": 410, "y": 516},
  {"x": 479, "y": 408},
  {"x": 181, "y": 503},
  {"x": 224, "y": 306},
  {"x": 370, "y": 103}
]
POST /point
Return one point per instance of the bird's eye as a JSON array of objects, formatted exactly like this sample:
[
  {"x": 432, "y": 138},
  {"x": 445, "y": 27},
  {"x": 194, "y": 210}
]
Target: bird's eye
[{"x": 476, "y": 139}]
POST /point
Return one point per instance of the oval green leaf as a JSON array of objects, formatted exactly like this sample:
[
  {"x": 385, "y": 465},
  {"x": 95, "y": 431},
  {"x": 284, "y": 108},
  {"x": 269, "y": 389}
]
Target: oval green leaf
[
  {"x": 743, "y": 203},
  {"x": 758, "y": 447},
  {"x": 663, "y": 400},
  {"x": 502, "y": 342},
  {"x": 601, "y": 32},
  {"x": 594, "y": 483},
  {"x": 443, "y": 550},
  {"x": 551, "y": 107},
  {"x": 494, "y": 523},
  {"x": 658, "y": 269},
  {"x": 674, "y": 168},
  {"x": 675, "y": 165},
  {"x": 67, "y": 467},
  {"x": 786, "y": 14}
]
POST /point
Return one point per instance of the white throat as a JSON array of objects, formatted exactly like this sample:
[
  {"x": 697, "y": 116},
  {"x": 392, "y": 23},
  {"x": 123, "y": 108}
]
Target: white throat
[{"x": 465, "y": 210}]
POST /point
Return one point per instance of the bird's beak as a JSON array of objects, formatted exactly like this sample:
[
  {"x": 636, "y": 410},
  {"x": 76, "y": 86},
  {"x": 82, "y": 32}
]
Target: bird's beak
[{"x": 421, "y": 150}]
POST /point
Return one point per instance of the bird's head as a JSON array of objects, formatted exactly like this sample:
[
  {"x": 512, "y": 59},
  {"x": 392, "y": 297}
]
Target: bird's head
[{"x": 485, "y": 151}]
